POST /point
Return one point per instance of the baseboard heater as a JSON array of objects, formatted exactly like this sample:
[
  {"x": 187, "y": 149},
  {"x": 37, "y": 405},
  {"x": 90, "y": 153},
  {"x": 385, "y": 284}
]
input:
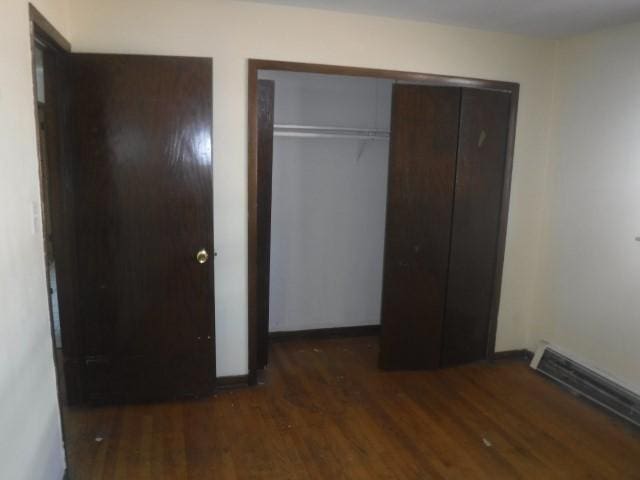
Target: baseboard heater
[{"x": 586, "y": 382}]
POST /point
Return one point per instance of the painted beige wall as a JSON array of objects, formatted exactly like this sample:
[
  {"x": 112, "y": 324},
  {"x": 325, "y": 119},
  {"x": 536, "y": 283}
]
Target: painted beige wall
[
  {"x": 572, "y": 265},
  {"x": 588, "y": 295},
  {"x": 30, "y": 440},
  {"x": 232, "y": 32}
]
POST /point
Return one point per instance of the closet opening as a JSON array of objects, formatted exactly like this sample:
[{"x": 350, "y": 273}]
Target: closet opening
[{"x": 378, "y": 203}]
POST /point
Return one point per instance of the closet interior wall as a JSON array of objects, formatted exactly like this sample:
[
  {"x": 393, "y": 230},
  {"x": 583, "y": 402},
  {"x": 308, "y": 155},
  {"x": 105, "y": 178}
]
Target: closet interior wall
[{"x": 328, "y": 202}]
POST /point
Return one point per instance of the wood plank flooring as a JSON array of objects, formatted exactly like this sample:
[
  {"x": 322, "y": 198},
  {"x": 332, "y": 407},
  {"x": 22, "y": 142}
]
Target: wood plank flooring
[{"x": 327, "y": 412}]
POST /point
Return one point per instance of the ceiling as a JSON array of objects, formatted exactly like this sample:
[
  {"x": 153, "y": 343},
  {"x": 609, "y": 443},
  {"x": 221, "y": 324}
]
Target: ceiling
[{"x": 544, "y": 18}]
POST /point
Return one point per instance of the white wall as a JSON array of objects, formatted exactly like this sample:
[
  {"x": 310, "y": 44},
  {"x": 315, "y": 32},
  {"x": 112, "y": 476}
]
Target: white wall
[
  {"x": 588, "y": 298},
  {"x": 30, "y": 438},
  {"x": 233, "y": 31},
  {"x": 329, "y": 200}
]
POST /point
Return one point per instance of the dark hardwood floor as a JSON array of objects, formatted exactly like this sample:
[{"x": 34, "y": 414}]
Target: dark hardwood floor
[{"x": 327, "y": 412}]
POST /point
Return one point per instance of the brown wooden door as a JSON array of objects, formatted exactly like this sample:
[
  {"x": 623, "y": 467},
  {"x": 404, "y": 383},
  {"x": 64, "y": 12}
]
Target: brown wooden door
[
  {"x": 484, "y": 126},
  {"x": 422, "y": 162},
  {"x": 143, "y": 202},
  {"x": 266, "y": 94}
]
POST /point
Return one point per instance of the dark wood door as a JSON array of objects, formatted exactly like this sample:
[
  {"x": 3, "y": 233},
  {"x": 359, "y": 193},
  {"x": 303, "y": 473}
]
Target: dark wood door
[
  {"x": 484, "y": 126},
  {"x": 143, "y": 201},
  {"x": 422, "y": 162},
  {"x": 266, "y": 93}
]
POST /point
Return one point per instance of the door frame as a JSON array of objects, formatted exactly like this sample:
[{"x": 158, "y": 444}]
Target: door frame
[
  {"x": 254, "y": 270},
  {"x": 44, "y": 34}
]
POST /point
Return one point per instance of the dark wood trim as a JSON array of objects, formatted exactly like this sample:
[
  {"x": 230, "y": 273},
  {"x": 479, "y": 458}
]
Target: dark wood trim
[
  {"x": 266, "y": 98},
  {"x": 48, "y": 29},
  {"x": 252, "y": 230},
  {"x": 335, "y": 332},
  {"x": 425, "y": 78},
  {"x": 522, "y": 354},
  {"x": 232, "y": 381}
]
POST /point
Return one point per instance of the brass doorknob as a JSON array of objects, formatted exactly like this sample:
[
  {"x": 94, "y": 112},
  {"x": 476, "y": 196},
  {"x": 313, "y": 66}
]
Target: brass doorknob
[{"x": 202, "y": 256}]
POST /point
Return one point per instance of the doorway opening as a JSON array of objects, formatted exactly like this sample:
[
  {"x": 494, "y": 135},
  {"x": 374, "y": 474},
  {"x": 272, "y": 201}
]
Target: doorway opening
[
  {"x": 330, "y": 149},
  {"x": 125, "y": 149},
  {"x": 49, "y": 51},
  {"x": 337, "y": 157},
  {"x": 46, "y": 127}
]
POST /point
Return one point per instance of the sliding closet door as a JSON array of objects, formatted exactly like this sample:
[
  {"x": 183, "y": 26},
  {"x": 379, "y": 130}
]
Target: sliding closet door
[
  {"x": 424, "y": 138},
  {"x": 266, "y": 96},
  {"x": 484, "y": 125}
]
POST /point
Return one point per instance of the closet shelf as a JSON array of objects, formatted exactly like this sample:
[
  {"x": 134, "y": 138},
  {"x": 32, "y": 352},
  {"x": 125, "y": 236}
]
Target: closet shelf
[{"x": 312, "y": 131}]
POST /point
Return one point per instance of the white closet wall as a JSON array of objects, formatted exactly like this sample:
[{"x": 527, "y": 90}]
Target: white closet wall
[{"x": 328, "y": 203}]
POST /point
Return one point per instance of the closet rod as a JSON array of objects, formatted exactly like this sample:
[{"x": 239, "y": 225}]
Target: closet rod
[{"x": 312, "y": 131}]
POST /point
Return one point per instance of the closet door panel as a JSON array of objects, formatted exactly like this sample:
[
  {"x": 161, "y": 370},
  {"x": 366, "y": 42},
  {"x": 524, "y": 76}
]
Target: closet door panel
[
  {"x": 484, "y": 125},
  {"x": 424, "y": 137}
]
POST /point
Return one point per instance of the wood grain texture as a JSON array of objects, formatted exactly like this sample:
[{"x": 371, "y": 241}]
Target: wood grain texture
[
  {"x": 143, "y": 199},
  {"x": 266, "y": 98},
  {"x": 482, "y": 148},
  {"x": 422, "y": 165},
  {"x": 327, "y": 412}
]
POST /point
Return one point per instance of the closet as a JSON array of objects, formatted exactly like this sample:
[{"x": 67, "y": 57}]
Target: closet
[
  {"x": 324, "y": 150},
  {"x": 417, "y": 174}
]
